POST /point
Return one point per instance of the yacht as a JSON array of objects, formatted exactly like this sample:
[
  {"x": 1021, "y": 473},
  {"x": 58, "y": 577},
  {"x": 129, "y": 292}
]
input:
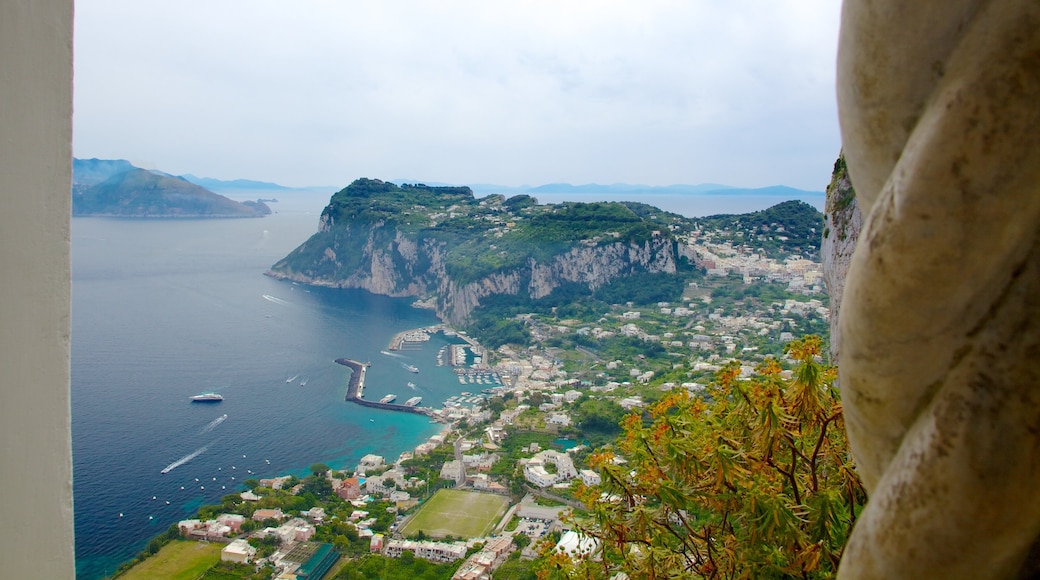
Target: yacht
[{"x": 207, "y": 398}]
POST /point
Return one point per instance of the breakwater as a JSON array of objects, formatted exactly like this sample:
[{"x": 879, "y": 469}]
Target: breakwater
[{"x": 356, "y": 390}]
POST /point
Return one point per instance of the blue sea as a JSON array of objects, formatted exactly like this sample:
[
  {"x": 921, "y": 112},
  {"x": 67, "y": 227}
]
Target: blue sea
[{"x": 166, "y": 309}]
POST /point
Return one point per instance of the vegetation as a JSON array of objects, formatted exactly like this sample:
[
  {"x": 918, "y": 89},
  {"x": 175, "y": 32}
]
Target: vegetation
[
  {"x": 177, "y": 560},
  {"x": 755, "y": 480},
  {"x": 452, "y": 512},
  {"x": 474, "y": 238},
  {"x": 407, "y": 567},
  {"x": 791, "y": 227}
]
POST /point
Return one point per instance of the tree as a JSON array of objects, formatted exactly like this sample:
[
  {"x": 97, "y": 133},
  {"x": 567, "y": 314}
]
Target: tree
[
  {"x": 755, "y": 481},
  {"x": 319, "y": 469}
]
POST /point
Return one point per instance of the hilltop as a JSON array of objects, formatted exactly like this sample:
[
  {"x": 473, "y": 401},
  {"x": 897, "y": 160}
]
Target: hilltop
[
  {"x": 141, "y": 193},
  {"x": 115, "y": 187},
  {"x": 459, "y": 254}
]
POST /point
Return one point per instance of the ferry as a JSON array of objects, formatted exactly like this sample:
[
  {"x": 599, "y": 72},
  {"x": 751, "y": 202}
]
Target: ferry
[
  {"x": 388, "y": 399},
  {"x": 207, "y": 398},
  {"x": 413, "y": 401},
  {"x": 412, "y": 368}
]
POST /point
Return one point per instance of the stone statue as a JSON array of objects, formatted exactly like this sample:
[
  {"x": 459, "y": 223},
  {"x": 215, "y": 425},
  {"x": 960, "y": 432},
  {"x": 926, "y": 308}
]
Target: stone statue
[{"x": 940, "y": 365}]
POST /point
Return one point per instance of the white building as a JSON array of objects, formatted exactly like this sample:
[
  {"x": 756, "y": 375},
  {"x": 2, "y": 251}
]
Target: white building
[
  {"x": 536, "y": 473},
  {"x": 370, "y": 463},
  {"x": 238, "y": 551},
  {"x": 432, "y": 551},
  {"x": 576, "y": 545},
  {"x": 590, "y": 477}
]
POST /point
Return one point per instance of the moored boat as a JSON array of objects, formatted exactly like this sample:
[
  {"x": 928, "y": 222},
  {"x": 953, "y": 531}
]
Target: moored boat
[{"x": 207, "y": 398}]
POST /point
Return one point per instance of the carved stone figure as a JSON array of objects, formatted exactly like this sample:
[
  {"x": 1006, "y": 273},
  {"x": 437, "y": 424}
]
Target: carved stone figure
[{"x": 940, "y": 321}]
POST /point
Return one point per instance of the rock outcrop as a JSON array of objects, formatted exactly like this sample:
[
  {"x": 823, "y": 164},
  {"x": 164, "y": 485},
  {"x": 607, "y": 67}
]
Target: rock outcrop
[
  {"x": 389, "y": 262},
  {"x": 843, "y": 222},
  {"x": 442, "y": 243}
]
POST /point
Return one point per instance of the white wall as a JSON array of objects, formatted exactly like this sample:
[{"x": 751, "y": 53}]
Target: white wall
[{"x": 36, "y": 535}]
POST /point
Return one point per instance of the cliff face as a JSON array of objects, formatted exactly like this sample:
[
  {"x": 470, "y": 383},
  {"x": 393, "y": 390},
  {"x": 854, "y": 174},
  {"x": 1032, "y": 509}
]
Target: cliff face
[
  {"x": 384, "y": 260},
  {"x": 841, "y": 230}
]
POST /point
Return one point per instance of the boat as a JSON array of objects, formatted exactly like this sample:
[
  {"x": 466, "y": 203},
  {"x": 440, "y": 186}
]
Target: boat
[
  {"x": 413, "y": 401},
  {"x": 388, "y": 399},
  {"x": 410, "y": 384},
  {"x": 292, "y": 378},
  {"x": 303, "y": 383},
  {"x": 207, "y": 398},
  {"x": 410, "y": 368}
]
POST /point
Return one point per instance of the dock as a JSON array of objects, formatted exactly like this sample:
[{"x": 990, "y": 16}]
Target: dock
[
  {"x": 356, "y": 389},
  {"x": 415, "y": 335}
]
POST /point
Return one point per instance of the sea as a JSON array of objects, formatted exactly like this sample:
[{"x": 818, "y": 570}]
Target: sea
[{"x": 166, "y": 309}]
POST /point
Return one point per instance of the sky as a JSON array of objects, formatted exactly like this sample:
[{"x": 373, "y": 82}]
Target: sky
[{"x": 508, "y": 92}]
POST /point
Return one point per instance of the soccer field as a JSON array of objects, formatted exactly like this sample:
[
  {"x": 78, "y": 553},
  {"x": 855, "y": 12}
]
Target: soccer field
[
  {"x": 178, "y": 560},
  {"x": 463, "y": 514}
]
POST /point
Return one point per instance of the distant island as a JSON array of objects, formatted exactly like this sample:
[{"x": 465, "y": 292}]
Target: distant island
[{"x": 117, "y": 188}]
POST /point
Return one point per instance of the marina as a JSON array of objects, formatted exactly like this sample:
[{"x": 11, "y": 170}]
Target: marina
[{"x": 356, "y": 387}]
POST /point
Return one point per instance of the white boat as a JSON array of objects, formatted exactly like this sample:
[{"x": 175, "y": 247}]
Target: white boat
[
  {"x": 410, "y": 384},
  {"x": 207, "y": 398},
  {"x": 412, "y": 368},
  {"x": 388, "y": 399},
  {"x": 292, "y": 378},
  {"x": 413, "y": 401}
]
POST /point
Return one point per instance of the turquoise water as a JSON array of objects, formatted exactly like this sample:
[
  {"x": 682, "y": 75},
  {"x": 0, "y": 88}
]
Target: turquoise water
[
  {"x": 166, "y": 309},
  {"x": 163, "y": 310}
]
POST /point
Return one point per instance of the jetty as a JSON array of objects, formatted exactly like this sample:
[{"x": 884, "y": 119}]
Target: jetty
[
  {"x": 356, "y": 389},
  {"x": 414, "y": 336}
]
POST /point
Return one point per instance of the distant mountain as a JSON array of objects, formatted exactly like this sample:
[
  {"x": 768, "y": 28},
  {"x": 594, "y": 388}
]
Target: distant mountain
[
  {"x": 627, "y": 188},
  {"x": 142, "y": 193},
  {"x": 88, "y": 172},
  {"x": 238, "y": 184},
  {"x": 773, "y": 190}
]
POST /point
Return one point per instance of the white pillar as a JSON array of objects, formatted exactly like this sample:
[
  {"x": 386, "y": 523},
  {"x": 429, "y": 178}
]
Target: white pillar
[{"x": 36, "y": 518}]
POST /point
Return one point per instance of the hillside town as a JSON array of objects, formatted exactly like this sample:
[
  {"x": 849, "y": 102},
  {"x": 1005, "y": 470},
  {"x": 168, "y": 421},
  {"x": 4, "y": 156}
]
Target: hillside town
[{"x": 525, "y": 438}]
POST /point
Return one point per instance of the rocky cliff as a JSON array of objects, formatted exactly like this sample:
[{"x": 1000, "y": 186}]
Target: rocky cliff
[
  {"x": 441, "y": 242},
  {"x": 841, "y": 230}
]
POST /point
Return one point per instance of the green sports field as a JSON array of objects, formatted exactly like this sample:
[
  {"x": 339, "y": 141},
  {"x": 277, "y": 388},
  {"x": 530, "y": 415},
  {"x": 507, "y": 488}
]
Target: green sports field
[
  {"x": 463, "y": 514},
  {"x": 178, "y": 560}
]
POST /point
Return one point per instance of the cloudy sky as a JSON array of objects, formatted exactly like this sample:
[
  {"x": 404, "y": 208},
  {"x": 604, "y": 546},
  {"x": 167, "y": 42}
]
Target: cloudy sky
[{"x": 511, "y": 92}]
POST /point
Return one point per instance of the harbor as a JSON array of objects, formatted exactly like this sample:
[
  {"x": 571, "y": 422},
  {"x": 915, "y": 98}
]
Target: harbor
[{"x": 356, "y": 389}]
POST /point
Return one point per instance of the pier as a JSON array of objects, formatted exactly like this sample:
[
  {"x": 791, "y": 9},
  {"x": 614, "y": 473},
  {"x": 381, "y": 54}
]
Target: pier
[
  {"x": 356, "y": 389},
  {"x": 402, "y": 338}
]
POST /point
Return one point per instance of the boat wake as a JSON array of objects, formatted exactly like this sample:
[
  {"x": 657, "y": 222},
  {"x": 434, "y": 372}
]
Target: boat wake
[
  {"x": 274, "y": 299},
  {"x": 184, "y": 459},
  {"x": 393, "y": 354},
  {"x": 214, "y": 423}
]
